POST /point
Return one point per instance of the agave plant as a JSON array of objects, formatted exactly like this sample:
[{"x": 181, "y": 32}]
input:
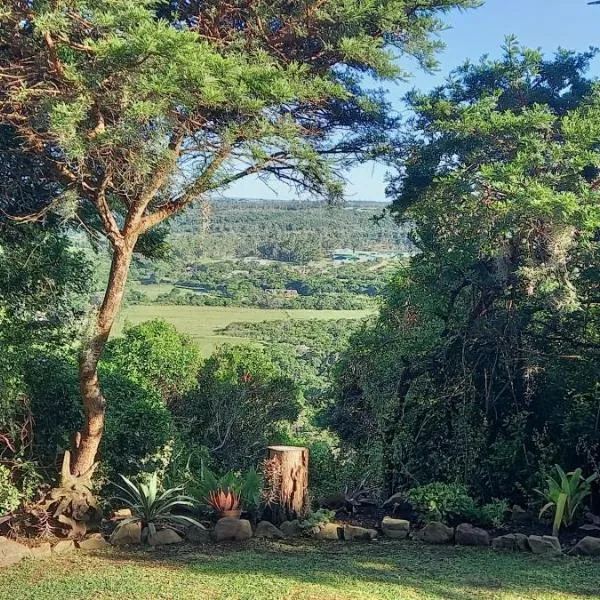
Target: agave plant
[
  {"x": 565, "y": 493},
  {"x": 151, "y": 507},
  {"x": 224, "y": 500},
  {"x": 229, "y": 492}
]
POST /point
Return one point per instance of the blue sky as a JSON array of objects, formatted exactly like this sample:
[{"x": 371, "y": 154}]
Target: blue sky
[{"x": 546, "y": 24}]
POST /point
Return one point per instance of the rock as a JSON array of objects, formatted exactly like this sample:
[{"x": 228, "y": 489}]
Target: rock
[
  {"x": 291, "y": 528},
  {"x": 63, "y": 547},
  {"x": 42, "y": 551},
  {"x": 359, "y": 533},
  {"x": 94, "y": 542},
  {"x": 588, "y": 546},
  {"x": 436, "y": 533},
  {"x": 228, "y": 529},
  {"x": 164, "y": 537},
  {"x": 467, "y": 535},
  {"x": 197, "y": 534},
  {"x": 547, "y": 544},
  {"x": 126, "y": 534},
  {"x": 511, "y": 542},
  {"x": 266, "y": 529},
  {"x": 520, "y": 515},
  {"x": 590, "y": 517},
  {"x": 122, "y": 513},
  {"x": 12, "y": 552},
  {"x": 395, "y": 528},
  {"x": 329, "y": 531}
]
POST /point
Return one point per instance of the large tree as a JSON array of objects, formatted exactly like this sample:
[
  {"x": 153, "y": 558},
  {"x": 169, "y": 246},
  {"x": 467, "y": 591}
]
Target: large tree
[
  {"x": 486, "y": 351},
  {"x": 136, "y": 111}
]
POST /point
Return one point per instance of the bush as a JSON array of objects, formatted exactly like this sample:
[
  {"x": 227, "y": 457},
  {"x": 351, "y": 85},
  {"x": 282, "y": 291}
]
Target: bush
[
  {"x": 156, "y": 353},
  {"x": 453, "y": 504},
  {"x": 316, "y": 519},
  {"x": 139, "y": 427},
  {"x": 240, "y": 405},
  {"x": 10, "y": 497},
  {"x": 448, "y": 502},
  {"x": 138, "y": 424}
]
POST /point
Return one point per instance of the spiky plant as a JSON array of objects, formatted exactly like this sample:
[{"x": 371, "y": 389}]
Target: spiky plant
[
  {"x": 224, "y": 500},
  {"x": 565, "y": 494},
  {"x": 151, "y": 507}
]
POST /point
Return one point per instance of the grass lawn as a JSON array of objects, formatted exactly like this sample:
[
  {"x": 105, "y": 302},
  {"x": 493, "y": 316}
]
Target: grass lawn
[
  {"x": 262, "y": 570},
  {"x": 203, "y": 322}
]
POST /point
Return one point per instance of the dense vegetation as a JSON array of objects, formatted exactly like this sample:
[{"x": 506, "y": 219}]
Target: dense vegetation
[
  {"x": 476, "y": 379},
  {"x": 483, "y": 366}
]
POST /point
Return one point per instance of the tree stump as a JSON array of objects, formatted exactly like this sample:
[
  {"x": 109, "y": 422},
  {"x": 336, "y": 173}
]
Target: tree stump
[{"x": 289, "y": 464}]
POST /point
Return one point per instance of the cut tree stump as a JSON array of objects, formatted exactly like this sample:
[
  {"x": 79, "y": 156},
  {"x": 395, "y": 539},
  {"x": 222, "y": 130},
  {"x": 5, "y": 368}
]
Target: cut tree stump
[{"x": 291, "y": 465}]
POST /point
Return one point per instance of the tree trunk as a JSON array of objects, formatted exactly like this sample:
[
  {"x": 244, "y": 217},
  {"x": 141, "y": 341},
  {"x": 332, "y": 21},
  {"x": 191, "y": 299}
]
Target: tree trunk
[
  {"x": 292, "y": 467},
  {"x": 86, "y": 442}
]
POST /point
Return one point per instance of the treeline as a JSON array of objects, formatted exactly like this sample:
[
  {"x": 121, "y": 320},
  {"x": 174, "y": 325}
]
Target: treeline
[
  {"x": 275, "y": 285},
  {"x": 293, "y": 231}
]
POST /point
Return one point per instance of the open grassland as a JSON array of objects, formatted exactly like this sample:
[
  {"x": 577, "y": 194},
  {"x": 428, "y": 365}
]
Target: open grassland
[
  {"x": 304, "y": 571},
  {"x": 203, "y": 323}
]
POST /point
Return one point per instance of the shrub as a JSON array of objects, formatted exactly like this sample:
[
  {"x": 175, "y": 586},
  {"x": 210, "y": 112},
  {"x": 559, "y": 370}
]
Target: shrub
[
  {"x": 239, "y": 406},
  {"x": 316, "y": 519},
  {"x": 492, "y": 514},
  {"x": 448, "y": 502},
  {"x": 10, "y": 496},
  {"x": 139, "y": 427},
  {"x": 155, "y": 352}
]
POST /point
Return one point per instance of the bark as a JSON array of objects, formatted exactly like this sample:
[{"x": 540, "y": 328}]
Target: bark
[
  {"x": 85, "y": 445},
  {"x": 292, "y": 464}
]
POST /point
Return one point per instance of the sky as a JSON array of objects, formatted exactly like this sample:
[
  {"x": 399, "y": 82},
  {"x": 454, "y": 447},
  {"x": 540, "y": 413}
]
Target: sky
[{"x": 545, "y": 24}]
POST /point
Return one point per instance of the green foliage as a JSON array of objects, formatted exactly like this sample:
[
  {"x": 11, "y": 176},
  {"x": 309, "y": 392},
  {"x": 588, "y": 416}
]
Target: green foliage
[
  {"x": 485, "y": 348},
  {"x": 10, "y": 496},
  {"x": 446, "y": 502},
  {"x": 152, "y": 507},
  {"x": 155, "y": 353},
  {"x": 565, "y": 493},
  {"x": 242, "y": 400},
  {"x": 139, "y": 427},
  {"x": 247, "y": 486},
  {"x": 493, "y": 514},
  {"x": 316, "y": 519},
  {"x": 44, "y": 290}
]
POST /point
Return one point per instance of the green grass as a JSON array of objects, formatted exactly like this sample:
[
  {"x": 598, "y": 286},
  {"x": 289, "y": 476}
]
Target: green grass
[
  {"x": 306, "y": 571},
  {"x": 203, "y": 322}
]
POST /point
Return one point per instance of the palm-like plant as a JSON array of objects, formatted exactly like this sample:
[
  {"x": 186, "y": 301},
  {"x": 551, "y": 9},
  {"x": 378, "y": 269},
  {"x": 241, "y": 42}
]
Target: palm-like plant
[
  {"x": 565, "y": 493},
  {"x": 151, "y": 507}
]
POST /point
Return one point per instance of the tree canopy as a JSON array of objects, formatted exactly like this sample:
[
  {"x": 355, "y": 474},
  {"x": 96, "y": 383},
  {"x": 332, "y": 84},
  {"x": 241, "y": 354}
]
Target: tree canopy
[{"x": 485, "y": 351}]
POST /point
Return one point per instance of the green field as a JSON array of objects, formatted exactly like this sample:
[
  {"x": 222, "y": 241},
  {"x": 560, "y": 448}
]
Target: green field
[
  {"x": 261, "y": 570},
  {"x": 203, "y": 323}
]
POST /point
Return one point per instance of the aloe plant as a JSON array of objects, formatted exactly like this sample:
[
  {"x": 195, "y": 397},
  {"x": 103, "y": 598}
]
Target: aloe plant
[
  {"x": 565, "y": 493},
  {"x": 229, "y": 489},
  {"x": 151, "y": 507}
]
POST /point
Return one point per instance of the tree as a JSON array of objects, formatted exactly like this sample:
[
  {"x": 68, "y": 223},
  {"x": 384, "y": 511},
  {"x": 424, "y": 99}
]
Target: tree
[
  {"x": 135, "y": 116},
  {"x": 484, "y": 353},
  {"x": 242, "y": 401}
]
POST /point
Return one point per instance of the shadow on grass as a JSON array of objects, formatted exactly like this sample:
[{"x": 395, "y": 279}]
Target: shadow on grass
[{"x": 452, "y": 573}]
